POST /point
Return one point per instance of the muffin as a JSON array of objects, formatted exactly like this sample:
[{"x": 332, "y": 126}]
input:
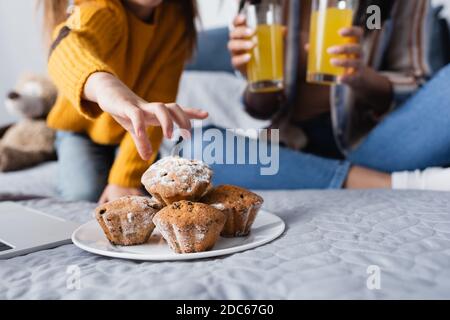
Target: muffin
[
  {"x": 239, "y": 205},
  {"x": 128, "y": 220},
  {"x": 173, "y": 179},
  {"x": 189, "y": 226}
]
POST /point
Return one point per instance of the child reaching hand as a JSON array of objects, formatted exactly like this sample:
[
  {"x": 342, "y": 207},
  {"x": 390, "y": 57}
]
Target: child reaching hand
[{"x": 117, "y": 65}]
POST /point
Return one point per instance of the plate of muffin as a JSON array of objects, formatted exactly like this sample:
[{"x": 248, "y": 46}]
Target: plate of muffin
[{"x": 185, "y": 218}]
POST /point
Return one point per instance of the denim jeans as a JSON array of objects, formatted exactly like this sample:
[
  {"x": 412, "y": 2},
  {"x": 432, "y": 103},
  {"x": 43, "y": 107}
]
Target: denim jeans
[
  {"x": 415, "y": 136},
  {"x": 83, "y": 166}
]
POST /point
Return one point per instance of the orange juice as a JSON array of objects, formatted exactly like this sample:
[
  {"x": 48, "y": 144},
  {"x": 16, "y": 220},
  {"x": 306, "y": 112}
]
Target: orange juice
[
  {"x": 265, "y": 70},
  {"x": 325, "y": 25}
]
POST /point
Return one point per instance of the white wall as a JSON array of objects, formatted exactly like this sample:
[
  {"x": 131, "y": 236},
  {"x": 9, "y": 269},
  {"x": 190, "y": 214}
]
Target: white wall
[
  {"x": 20, "y": 46},
  {"x": 217, "y": 12}
]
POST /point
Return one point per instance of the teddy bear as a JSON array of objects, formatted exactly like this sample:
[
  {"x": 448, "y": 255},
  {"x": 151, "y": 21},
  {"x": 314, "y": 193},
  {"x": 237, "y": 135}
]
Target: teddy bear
[{"x": 30, "y": 141}]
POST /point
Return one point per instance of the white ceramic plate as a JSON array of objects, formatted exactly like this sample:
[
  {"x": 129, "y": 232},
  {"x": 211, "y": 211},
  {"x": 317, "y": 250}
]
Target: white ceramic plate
[{"x": 91, "y": 238}]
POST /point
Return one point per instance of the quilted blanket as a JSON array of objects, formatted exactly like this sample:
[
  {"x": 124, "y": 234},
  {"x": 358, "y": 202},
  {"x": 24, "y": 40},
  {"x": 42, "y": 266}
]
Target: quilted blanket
[{"x": 337, "y": 245}]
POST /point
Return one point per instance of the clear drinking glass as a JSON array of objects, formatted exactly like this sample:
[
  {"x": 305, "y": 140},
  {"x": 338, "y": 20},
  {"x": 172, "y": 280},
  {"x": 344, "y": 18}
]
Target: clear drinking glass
[
  {"x": 265, "y": 71},
  {"x": 327, "y": 18}
]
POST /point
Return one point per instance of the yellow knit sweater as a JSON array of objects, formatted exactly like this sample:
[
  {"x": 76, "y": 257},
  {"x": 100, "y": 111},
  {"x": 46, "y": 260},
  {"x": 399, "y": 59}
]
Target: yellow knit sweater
[{"x": 101, "y": 35}]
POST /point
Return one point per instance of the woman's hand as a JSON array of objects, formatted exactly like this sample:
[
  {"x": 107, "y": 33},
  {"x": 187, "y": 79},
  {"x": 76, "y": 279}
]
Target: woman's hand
[
  {"x": 350, "y": 56},
  {"x": 366, "y": 82},
  {"x": 369, "y": 84},
  {"x": 134, "y": 114},
  {"x": 113, "y": 192},
  {"x": 240, "y": 44}
]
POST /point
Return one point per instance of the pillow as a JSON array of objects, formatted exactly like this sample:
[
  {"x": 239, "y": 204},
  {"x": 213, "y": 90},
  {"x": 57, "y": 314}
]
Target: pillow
[{"x": 212, "y": 52}]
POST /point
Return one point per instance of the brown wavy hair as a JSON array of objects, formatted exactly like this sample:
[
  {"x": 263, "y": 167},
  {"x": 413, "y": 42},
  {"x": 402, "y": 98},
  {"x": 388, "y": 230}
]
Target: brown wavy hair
[{"x": 55, "y": 12}]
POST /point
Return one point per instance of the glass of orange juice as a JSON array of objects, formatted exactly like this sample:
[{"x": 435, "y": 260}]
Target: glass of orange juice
[
  {"x": 327, "y": 18},
  {"x": 265, "y": 71}
]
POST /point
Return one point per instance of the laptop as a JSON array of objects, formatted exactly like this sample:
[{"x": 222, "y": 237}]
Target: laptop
[{"x": 24, "y": 230}]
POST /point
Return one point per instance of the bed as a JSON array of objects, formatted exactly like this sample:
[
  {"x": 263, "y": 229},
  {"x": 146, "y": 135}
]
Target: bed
[
  {"x": 333, "y": 239},
  {"x": 337, "y": 245}
]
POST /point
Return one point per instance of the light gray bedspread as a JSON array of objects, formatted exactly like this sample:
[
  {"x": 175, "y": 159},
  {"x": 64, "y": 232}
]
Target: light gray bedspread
[
  {"x": 36, "y": 181},
  {"x": 332, "y": 238}
]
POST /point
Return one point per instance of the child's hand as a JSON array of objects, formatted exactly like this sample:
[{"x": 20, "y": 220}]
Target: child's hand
[
  {"x": 113, "y": 192},
  {"x": 136, "y": 115}
]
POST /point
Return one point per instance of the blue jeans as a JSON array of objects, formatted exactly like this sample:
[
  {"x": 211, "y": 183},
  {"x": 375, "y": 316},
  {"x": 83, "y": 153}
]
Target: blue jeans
[
  {"x": 83, "y": 166},
  {"x": 415, "y": 136}
]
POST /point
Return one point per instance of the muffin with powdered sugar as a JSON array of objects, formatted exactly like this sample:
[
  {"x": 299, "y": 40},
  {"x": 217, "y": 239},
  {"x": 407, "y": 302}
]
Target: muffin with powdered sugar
[
  {"x": 173, "y": 179},
  {"x": 129, "y": 220}
]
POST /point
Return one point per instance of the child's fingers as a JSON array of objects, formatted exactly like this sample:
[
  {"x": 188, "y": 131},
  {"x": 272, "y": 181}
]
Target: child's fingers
[
  {"x": 163, "y": 116},
  {"x": 143, "y": 146},
  {"x": 179, "y": 116},
  {"x": 194, "y": 113},
  {"x": 138, "y": 132},
  {"x": 103, "y": 198},
  {"x": 137, "y": 118}
]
